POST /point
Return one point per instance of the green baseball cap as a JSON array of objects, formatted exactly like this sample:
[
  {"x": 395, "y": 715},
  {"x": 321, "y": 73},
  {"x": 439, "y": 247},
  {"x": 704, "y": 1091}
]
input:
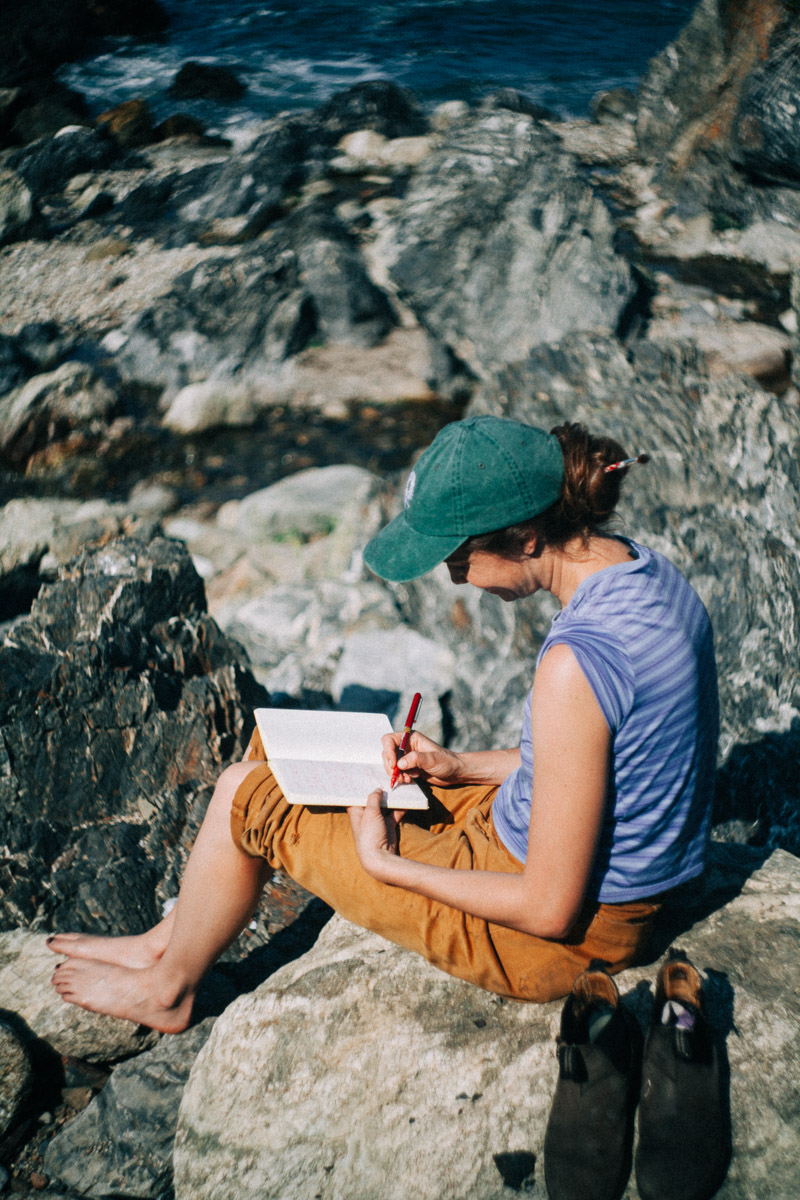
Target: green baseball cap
[{"x": 477, "y": 475}]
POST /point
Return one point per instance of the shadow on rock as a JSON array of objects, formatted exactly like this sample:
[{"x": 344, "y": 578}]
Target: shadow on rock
[
  {"x": 758, "y": 783},
  {"x": 729, "y": 868}
]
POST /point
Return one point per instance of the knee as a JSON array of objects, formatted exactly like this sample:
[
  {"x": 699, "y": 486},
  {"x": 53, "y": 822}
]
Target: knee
[{"x": 227, "y": 785}]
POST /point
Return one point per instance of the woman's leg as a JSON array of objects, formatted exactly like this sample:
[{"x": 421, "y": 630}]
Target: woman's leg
[{"x": 220, "y": 889}]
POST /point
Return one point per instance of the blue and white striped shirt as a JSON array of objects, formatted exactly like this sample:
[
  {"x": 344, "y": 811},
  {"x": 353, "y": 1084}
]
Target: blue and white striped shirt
[{"x": 643, "y": 640}]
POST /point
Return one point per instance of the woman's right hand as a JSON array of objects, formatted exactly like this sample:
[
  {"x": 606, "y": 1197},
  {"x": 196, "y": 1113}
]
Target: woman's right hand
[{"x": 424, "y": 760}]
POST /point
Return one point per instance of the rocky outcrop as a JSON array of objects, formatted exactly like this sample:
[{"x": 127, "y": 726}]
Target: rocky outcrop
[
  {"x": 41, "y": 34},
  {"x": 244, "y": 317},
  {"x": 50, "y": 407},
  {"x": 120, "y": 700},
  {"x": 16, "y": 1078},
  {"x": 695, "y": 92},
  {"x": 500, "y": 244},
  {"x": 360, "y": 1071},
  {"x": 17, "y": 209},
  {"x": 122, "y": 1143},
  {"x": 203, "y": 81},
  {"x": 47, "y": 165},
  {"x": 26, "y": 967}
]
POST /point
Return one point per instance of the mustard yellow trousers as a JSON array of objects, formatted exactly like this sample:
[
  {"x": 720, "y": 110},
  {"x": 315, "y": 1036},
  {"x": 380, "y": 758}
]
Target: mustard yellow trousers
[{"x": 315, "y": 847}]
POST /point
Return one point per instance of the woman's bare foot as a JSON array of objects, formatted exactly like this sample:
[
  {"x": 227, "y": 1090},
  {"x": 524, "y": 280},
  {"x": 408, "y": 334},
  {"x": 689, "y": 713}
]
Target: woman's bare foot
[
  {"x": 137, "y": 995},
  {"x": 141, "y": 950}
]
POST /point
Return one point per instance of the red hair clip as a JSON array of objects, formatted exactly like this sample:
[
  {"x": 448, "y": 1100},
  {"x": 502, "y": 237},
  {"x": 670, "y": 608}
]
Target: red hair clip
[{"x": 627, "y": 462}]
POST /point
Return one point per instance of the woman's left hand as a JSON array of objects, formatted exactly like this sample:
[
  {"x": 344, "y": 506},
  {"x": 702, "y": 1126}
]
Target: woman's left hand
[{"x": 374, "y": 832}]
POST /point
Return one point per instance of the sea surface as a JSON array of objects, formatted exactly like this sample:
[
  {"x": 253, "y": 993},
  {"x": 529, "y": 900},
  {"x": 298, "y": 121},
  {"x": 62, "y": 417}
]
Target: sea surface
[{"x": 294, "y": 54}]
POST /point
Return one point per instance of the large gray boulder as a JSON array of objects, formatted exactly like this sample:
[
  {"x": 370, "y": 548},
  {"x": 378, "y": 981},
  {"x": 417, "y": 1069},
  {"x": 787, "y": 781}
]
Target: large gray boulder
[
  {"x": 719, "y": 99},
  {"x": 500, "y": 244},
  {"x": 17, "y": 208},
  {"x": 360, "y": 1071},
  {"x": 120, "y": 702},
  {"x": 51, "y": 407},
  {"x": 122, "y": 1143},
  {"x": 242, "y": 317},
  {"x": 766, "y": 133},
  {"x": 26, "y": 967},
  {"x": 16, "y": 1078}
]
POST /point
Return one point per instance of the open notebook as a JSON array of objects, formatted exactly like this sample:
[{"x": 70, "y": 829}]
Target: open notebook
[{"x": 331, "y": 758}]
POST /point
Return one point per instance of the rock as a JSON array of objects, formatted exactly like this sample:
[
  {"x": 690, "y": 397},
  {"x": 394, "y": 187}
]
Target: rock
[
  {"x": 766, "y": 133},
  {"x": 294, "y": 636},
  {"x": 374, "y": 104},
  {"x": 47, "y": 165},
  {"x": 310, "y": 504},
  {"x": 16, "y": 1078},
  {"x": 17, "y": 209},
  {"x": 406, "y": 152},
  {"x": 464, "y": 1082},
  {"x": 687, "y": 94},
  {"x": 517, "y": 102},
  {"x": 211, "y": 404},
  {"x": 28, "y": 528},
  {"x": 125, "y": 17},
  {"x": 129, "y": 123},
  {"x": 151, "y": 499},
  {"x": 381, "y": 669},
  {"x": 38, "y": 36},
  {"x": 708, "y": 104},
  {"x": 179, "y": 125},
  {"x": 26, "y": 967},
  {"x": 252, "y": 186},
  {"x": 45, "y": 108},
  {"x": 196, "y": 81},
  {"x": 139, "y": 701},
  {"x": 609, "y": 108},
  {"x": 753, "y": 263},
  {"x": 365, "y": 144},
  {"x": 49, "y": 407},
  {"x": 499, "y": 244},
  {"x": 749, "y": 347},
  {"x": 451, "y": 112},
  {"x": 40, "y": 345},
  {"x": 605, "y": 144},
  {"x": 349, "y": 308},
  {"x": 243, "y": 316},
  {"x": 13, "y": 367},
  {"x": 122, "y": 1143}
]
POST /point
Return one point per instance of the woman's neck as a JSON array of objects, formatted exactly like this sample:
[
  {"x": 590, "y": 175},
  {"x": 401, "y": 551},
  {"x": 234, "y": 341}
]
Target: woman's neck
[{"x": 568, "y": 566}]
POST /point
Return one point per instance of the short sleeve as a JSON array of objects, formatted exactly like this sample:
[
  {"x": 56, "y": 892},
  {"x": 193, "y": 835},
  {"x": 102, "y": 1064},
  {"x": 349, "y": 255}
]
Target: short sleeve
[{"x": 604, "y": 662}]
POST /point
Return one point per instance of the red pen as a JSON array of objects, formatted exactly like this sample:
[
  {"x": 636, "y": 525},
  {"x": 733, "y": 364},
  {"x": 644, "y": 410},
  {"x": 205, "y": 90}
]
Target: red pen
[{"x": 412, "y": 713}]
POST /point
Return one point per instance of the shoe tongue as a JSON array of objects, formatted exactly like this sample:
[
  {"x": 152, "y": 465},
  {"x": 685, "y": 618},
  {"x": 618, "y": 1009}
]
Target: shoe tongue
[{"x": 677, "y": 1015}]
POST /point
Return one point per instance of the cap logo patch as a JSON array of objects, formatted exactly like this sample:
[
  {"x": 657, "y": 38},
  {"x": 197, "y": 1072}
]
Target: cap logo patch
[{"x": 408, "y": 495}]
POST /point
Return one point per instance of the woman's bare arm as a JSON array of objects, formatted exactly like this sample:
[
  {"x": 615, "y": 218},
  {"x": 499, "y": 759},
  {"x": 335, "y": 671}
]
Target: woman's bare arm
[{"x": 571, "y": 743}]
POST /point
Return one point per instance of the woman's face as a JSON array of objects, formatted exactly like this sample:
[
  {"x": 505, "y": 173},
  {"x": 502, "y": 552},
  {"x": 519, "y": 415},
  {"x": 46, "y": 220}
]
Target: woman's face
[{"x": 508, "y": 578}]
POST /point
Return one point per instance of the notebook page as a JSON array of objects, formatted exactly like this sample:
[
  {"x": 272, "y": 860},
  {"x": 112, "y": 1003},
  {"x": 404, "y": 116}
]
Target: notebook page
[
  {"x": 309, "y": 735},
  {"x": 341, "y": 783}
]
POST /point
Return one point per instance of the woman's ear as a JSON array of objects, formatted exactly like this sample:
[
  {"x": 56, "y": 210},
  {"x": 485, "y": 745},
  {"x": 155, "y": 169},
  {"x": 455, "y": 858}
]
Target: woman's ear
[{"x": 533, "y": 547}]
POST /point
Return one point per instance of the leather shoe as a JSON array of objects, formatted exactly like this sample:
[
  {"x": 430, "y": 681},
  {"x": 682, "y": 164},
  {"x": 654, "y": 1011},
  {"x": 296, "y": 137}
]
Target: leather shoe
[
  {"x": 587, "y": 1146},
  {"x": 684, "y": 1136}
]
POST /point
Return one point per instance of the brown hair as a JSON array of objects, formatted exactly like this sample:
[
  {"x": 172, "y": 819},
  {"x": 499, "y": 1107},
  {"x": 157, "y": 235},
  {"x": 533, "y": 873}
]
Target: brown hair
[{"x": 589, "y": 495}]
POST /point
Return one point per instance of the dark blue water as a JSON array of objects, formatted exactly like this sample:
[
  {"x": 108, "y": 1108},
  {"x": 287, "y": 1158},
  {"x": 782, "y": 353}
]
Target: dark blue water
[{"x": 295, "y": 54}]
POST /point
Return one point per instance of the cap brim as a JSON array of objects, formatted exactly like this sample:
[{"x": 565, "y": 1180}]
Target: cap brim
[{"x": 399, "y": 552}]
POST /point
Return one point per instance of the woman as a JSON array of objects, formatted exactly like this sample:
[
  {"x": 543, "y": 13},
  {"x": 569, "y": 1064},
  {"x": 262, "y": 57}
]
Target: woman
[{"x": 533, "y": 860}]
